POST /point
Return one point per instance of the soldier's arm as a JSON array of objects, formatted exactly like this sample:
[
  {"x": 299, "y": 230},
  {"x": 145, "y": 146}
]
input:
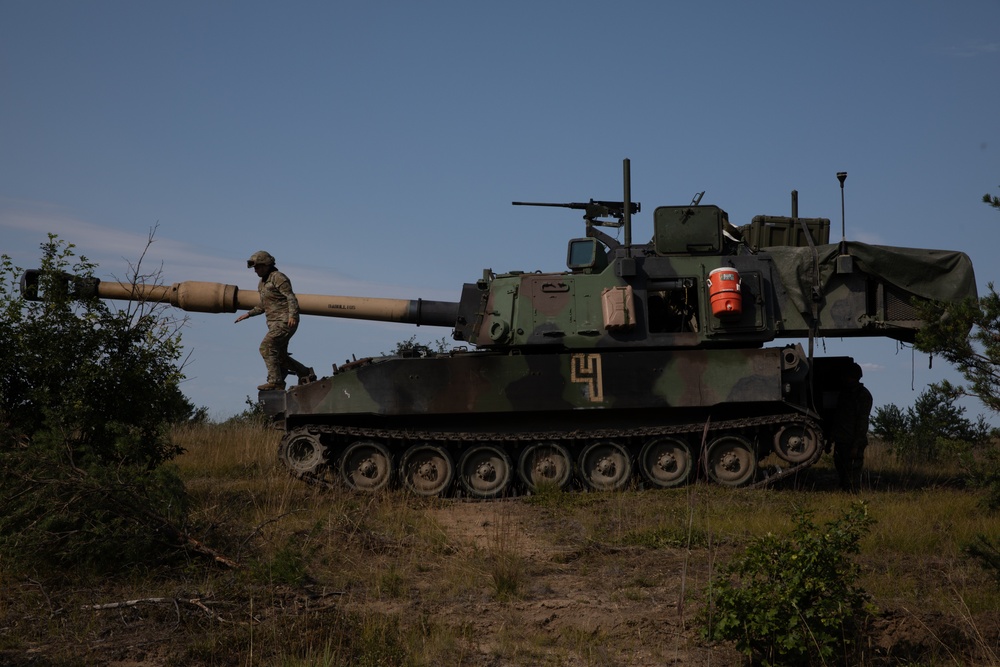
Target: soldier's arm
[{"x": 256, "y": 310}]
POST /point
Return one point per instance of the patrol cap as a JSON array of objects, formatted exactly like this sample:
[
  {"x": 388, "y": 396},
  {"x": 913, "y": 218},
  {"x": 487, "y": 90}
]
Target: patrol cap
[{"x": 260, "y": 257}]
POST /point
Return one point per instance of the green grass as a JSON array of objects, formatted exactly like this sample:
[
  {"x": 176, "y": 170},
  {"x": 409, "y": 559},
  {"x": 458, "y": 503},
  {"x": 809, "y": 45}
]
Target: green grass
[{"x": 327, "y": 577}]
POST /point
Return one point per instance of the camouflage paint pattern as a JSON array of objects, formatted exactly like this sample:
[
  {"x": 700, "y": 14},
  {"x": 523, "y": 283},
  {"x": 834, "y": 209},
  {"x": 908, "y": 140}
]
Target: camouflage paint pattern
[{"x": 479, "y": 383}]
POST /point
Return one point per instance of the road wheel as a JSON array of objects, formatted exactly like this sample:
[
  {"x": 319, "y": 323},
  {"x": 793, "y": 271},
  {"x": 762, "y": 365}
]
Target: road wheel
[
  {"x": 796, "y": 443},
  {"x": 666, "y": 462},
  {"x": 731, "y": 460},
  {"x": 484, "y": 471},
  {"x": 605, "y": 465},
  {"x": 545, "y": 463},
  {"x": 366, "y": 465},
  {"x": 427, "y": 470}
]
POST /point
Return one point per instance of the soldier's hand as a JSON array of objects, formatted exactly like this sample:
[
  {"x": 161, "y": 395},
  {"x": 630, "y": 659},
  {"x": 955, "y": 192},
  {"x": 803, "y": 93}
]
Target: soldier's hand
[
  {"x": 293, "y": 321},
  {"x": 241, "y": 318}
]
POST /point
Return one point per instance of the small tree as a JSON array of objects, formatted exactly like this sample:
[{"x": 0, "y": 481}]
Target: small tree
[
  {"x": 86, "y": 398},
  {"x": 933, "y": 423},
  {"x": 794, "y": 600},
  {"x": 968, "y": 336}
]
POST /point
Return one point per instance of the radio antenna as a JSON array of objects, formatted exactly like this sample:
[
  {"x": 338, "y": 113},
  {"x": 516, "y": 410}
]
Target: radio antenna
[{"x": 842, "y": 176}]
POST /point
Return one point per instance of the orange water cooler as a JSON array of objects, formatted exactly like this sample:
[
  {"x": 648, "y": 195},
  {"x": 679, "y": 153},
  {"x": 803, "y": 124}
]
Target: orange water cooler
[{"x": 724, "y": 292}]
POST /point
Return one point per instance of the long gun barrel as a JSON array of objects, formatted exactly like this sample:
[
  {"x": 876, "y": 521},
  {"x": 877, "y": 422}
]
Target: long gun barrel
[{"x": 206, "y": 297}]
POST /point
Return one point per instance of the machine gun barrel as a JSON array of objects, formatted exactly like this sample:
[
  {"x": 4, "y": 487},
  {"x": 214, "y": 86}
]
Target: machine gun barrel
[
  {"x": 574, "y": 205},
  {"x": 594, "y": 210},
  {"x": 206, "y": 297},
  {"x": 615, "y": 208}
]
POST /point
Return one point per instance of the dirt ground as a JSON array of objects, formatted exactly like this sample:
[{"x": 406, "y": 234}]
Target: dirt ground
[
  {"x": 576, "y": 603},
  {"x": 576, "y": 591},
  {"x": 599, "y": 605}
]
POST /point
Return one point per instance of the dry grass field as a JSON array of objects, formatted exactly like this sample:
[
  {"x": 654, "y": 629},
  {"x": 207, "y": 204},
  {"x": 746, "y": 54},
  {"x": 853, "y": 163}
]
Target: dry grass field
[{"x": 330, "y": 578}]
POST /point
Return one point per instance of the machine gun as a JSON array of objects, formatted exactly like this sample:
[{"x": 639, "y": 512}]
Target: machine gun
[{"x": 594, "y": 210}]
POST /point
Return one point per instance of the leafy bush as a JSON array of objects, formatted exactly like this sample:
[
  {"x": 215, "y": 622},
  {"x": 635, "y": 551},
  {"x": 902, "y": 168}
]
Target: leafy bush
[
  {"x": 794, "y": 600},
  {"x": 86, "y": 398},
  {"x": 253, "y": 415}
]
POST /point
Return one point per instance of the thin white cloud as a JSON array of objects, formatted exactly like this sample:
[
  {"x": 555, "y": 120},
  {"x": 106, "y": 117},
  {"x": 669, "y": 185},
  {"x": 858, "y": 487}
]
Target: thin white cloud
[
  {"x": 116, "y": 250},
  {"x": 973, "y": 48},
  {"x": 865, "y": 236}
]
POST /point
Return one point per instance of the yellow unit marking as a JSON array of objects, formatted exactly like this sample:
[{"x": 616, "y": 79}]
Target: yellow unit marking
[{"x": 586, "y": 369}]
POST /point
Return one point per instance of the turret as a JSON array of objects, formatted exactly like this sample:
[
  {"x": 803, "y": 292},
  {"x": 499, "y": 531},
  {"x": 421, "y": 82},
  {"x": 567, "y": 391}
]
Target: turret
[{"x": 700, "y": 282}]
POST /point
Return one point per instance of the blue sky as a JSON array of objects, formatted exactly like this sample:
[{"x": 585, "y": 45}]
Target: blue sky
[{"x": 374, "y": 147}]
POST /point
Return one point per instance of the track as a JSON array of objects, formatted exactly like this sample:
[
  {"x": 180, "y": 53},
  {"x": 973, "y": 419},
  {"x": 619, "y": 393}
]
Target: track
[{"x": 491, "y": 465}]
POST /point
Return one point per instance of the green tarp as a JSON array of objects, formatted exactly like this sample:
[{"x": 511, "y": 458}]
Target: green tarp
[{"x": 938, "y": 275}]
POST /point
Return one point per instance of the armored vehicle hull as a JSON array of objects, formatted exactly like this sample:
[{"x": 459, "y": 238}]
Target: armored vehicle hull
[{"x": 485, "y": 424}]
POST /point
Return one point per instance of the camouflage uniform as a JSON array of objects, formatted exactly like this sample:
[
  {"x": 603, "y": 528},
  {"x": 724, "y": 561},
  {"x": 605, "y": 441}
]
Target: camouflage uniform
[
  {"x": 280, "y": 307},
  {"x": 850, "y": 430}
]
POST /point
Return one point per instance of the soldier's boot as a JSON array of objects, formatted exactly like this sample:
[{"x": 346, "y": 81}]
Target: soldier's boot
[
  {"x": 270, "y": 386},
  {"x": 308, "y": 376}
]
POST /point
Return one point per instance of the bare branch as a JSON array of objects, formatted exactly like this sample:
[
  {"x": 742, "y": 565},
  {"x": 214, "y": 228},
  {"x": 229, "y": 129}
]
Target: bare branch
[{"x": 176, "y": 602}]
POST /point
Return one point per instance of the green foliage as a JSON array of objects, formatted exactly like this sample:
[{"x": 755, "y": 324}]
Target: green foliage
[
  {"x": 987, "y": 552},
  {"x": 667, "y": 537},
  {"x": 98, "y": 519},
  {"x": 931, "y": 427},
  {"x": 890, "y": 423},
  {"x": 794, "y": 600},
  {"x": 87, "y": 395},
  {"x": 992, "y": 201},
  {"x": 983, "y": 471},
  {"x": 411, "y": 348},
  {"x": 287, "y": 567},
  {"x": 967, "y": 335},
  {"x": 254, "y": 415}
]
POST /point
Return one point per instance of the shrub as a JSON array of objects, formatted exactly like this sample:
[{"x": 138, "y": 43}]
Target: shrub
[
  {"x": 982, "y": 469},
  {"x": 86, "y": 398},
  {"x": 986, "y": 550},
  {"x": 793, "y": 600},
  {"x": 253, "y": 415}
]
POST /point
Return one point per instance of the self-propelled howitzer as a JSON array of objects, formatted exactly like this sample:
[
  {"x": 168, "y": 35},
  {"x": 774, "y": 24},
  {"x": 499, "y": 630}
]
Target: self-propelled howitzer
[{"x": 642, "y": 363}]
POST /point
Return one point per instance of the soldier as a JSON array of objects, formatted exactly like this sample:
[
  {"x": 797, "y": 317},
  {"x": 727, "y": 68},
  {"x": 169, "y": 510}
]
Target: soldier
[
  {"x": 850, "y": 429},
  {"x": 278, "y": 303}
]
